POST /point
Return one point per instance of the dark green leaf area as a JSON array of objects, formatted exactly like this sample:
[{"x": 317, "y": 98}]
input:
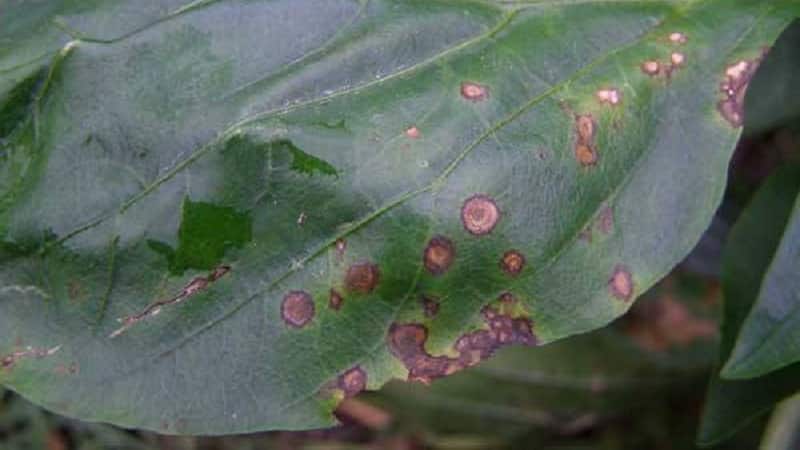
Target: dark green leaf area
[{"x": 205, "y": 233}]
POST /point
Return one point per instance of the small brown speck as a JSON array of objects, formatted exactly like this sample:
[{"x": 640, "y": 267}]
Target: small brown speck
[
  {"x": 512, "y": 262},
  {"x": 297, "y": 309},
  {"x": 473, "y": 91},
  {"x": 335, "y": 300},
  {"x": 353, "y": 381},
  {"x": 479, "y": 214},
  {"x": 677, "y": 38},
  {"x": 621, "y": 283},
  {"x": 651, "y": 68},
  {"x": 439, "y": 255},
  {"x": 362, "y": 277},
  {"x": 430, "y": 307},
  {"x": 609, "y": 96},
  {"x": 413, "y": 132},
  {"x": 605, "y": 221}
]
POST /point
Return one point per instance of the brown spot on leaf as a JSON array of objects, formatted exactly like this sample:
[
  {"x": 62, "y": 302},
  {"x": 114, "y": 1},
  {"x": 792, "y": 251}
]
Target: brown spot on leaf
[
  {"x": 609, "y": 96},
  {"x": 585, "y": 151},
  {"x": 652, "y": 68},
  {"x": 473, "y": 91},
  {"x": 677, "y": 59},
  {"x": 8, "y": 362},
  {"x": 413, "y": 132},
  {"x": 194, "y": 286},
  {"x": 605, "y": 220},
  {"x": 407, "y": 343},
  {"x": 297, "y": 308},
  {"x": 512, "y": 262},
  {"x": 678, "y": 38},
  {"x": 585, "y": 155},
  {"x": 335, "y": 300},
  {"x": 621, "y": 283},
  {"x": 479, "y": 214},
  {"x": 353, "y": 381},
  {"x": 439, "y": 255},
  {"x": 362, "y": 277},
  {"x": 585, "y": 127},
  {"x": 429, "y": 306},
  {"x": 734, "y": 88}
]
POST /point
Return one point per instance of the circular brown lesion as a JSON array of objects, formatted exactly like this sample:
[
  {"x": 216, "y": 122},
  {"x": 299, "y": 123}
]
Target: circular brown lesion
[
  {"x": 362, "y": 277},
  {"x": 335, "y": 300},
  {"x": 297, "y": 308},
  {"x": 353, "y": 381},
  {"x": 480, "y": 214},
  {"x": 621, "y": 283},
  {"x": 439, "y": 255},
  {"x": 473, "y": 91},
  {"x": 512, "y": 262}
]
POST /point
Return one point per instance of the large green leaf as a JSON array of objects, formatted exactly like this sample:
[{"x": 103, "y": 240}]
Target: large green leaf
[
  {"x": 770, "y": 336},
  {"x": 314, "y": 196},
  {"x": 749, "y": 256}
]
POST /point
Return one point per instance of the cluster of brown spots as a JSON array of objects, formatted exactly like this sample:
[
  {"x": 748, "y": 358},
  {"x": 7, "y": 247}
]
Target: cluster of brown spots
[
  {"x": 407, "y": 343},
  {"x": 609, "y": 96},
  {"x": 678, "y": 38},
  {"x": 651, "y": 68},
  {"x": 621, "y": 283},
  {"x": 335, "y": 300},
  {"x": 662, "y": 324},
  {"x": 429, "y": 306},
  {"x": 473, "y": 91},
  {"x": 8, "y": 362},
  {"x": 585, "y": 151},
  {"x": 479, "y": 214},
  {"x": 362, "y": 277},
  {"x": 439, "y": 255},
  {"x": 413, "y": 132},
  {"x": 512, "y": 262},
  {"x": 297, "y": 308},
  {"x": 352, "y": 381},
  {"x": 737, "y": 77}
]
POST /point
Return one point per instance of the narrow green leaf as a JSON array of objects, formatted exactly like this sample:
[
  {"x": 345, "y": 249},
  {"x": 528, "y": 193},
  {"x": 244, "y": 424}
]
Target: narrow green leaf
[
  {"x": 770, "y": 336},
  {"x": 749, "y": 256}
]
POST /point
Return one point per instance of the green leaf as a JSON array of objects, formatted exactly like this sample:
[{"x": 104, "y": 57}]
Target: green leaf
[
  {"x": 770, "y": 335},
  {"x": 749, "y": 256},
  {"x": 286, "y": 201},
  {"x": 777, "y": 76}
]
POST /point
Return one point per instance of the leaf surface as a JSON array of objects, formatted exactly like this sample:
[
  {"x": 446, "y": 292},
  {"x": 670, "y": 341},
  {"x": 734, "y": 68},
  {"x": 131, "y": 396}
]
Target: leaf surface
[{"x": 287, "y": 201}]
